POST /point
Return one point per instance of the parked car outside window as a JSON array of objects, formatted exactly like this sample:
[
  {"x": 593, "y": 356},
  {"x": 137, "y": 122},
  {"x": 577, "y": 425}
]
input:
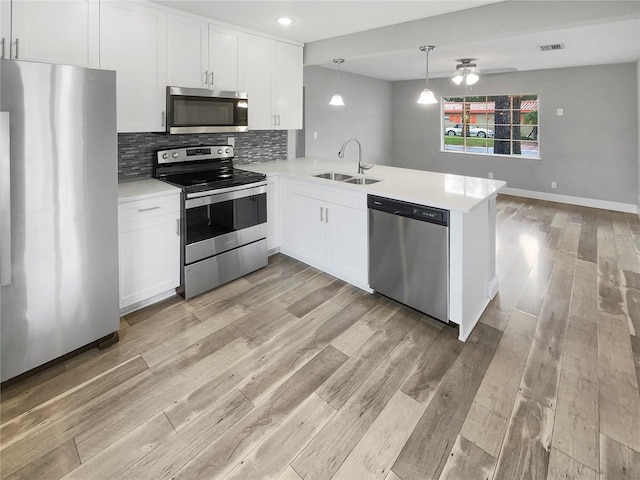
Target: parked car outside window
[{"x": 473, "y": 131}]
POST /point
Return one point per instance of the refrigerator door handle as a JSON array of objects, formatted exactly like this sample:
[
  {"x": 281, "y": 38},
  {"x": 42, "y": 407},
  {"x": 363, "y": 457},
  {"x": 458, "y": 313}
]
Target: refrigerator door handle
[{"x": 5, "y": 201}]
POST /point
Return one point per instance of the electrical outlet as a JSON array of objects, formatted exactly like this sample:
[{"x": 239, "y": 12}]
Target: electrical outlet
[
  {"x": 560, "y": 112},
  {"x": 231, "y": 141},
  {"x": 490, "y": 174},
  {"x": 315, "y": 135},
  {"x": 554, "y": 185}
]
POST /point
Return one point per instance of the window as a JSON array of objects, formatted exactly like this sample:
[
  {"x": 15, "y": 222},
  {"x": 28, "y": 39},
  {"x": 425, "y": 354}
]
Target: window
[{"x": 495, "y": 125}]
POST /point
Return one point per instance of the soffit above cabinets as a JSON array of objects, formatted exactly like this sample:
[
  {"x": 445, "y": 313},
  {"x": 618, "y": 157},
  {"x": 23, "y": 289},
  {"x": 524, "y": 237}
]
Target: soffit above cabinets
[{"x": 380, "y": 39}]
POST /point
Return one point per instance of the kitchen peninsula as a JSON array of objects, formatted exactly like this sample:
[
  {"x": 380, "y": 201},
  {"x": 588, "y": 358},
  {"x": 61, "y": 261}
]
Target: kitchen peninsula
[{"x": 296, "y": 196}]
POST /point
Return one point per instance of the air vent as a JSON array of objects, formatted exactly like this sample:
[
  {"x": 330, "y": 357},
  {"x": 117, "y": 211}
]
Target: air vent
[{"x": 555, "y": 46}]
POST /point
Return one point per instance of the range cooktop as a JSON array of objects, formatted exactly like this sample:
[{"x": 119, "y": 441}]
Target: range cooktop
[{"x": 197, "y": 169}]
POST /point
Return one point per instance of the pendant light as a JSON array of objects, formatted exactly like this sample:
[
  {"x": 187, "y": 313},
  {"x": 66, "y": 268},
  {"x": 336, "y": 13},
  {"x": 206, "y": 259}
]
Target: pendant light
[
  {"x": 466, "y": 71},
  {"x": 337, "y": 98},
  {"x": 427, "y": 97}
]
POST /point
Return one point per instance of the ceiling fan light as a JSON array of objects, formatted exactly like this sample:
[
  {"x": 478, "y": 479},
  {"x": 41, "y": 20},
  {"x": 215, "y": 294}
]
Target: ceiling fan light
[
  {"x": 427, "y": 97},
  {"x": 457, "y": 79},
  {"x": 336, "y": 100},
  {"x": 472, "y": 78}
]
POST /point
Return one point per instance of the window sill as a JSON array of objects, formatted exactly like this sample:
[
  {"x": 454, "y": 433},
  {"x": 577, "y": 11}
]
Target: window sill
[{"x": 486, "y": 154}]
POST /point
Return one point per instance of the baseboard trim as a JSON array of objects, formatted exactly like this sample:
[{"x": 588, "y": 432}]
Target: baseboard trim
[
  {"x": 584, "y": 202},
  {"x": 145, "y": 303}
]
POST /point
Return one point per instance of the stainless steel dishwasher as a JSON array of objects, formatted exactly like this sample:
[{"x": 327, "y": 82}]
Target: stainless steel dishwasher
[{"x": 409, "y": 254}]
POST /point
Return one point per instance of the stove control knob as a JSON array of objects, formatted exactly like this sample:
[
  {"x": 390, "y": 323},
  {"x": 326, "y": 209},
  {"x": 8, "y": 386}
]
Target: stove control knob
[
  {"x": 175, "y": 155},
  {"x": 227, "y": 150},
  {"x": 220, "y": 151},
  {"x": 165, "y": 155}
]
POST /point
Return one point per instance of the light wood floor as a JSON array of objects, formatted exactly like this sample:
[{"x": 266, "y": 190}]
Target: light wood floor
[{"x": 288, "y": 373}]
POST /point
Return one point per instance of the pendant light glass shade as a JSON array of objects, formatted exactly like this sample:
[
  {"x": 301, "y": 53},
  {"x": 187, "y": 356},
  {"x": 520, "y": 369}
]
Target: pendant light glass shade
[
  {"x": 336, "y": 100},
  {"x": 427, "y": 97}
]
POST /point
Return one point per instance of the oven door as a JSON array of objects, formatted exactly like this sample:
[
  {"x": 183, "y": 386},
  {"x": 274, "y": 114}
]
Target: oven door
[{"x": 219, "y": 222}]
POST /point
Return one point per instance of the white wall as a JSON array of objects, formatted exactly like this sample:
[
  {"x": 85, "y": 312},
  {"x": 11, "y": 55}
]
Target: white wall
[
  {"x": 591, "y": 152},
  {"x": 366, "y": 115}
]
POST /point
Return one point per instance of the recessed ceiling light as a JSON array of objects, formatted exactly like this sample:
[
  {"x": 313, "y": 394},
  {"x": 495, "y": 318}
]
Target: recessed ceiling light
[{"x": 285, "y": 21}]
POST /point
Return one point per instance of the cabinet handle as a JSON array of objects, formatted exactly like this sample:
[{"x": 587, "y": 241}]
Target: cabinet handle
[
  {"x": 278, "y": 119},
  {"x": 321, "y": 219},
  {"x": 163, "y": 119},
  {"x": 148, "y": 209},
  {"x": 178, "y": 227},
  {"x": 2, "y": 48},
  {"x": 16, "y": 57},
  {"x": 326, "y": 215},
  {"x": 211, "y": 78},
  {"x": 206, "y": 77}
]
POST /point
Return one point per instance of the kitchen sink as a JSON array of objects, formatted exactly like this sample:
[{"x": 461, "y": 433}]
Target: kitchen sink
[
  {"x": 362, "y": 180},
  {"x": 334, "y": 176}
]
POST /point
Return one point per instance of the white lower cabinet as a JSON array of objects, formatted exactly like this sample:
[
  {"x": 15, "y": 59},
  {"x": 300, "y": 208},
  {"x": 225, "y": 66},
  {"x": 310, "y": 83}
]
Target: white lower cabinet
[
  {"x": 149, "y": 244},
  {"x": 326, "y": 228}
]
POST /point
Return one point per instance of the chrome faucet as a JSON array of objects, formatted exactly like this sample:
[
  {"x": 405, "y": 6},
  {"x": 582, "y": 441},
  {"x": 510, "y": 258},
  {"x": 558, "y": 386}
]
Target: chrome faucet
[{"x": 361, "y": 166}]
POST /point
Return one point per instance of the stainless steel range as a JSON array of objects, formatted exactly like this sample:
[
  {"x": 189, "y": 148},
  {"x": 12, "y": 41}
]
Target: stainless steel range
[{"x": 224, "y": 215}]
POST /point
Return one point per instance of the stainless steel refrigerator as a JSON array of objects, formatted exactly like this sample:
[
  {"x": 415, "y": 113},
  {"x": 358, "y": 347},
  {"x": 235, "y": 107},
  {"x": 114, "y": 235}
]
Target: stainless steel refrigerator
[{"x": 58, "y": 212}]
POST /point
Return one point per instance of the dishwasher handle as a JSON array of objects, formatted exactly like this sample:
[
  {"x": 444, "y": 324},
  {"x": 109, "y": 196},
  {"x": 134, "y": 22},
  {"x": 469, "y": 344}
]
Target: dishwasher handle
[{"x": 409, "y": 210}]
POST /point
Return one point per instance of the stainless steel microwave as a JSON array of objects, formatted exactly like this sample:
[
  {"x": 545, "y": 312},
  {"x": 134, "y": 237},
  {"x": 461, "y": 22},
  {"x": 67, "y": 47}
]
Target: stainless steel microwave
[{"x": 198, "y": 110}]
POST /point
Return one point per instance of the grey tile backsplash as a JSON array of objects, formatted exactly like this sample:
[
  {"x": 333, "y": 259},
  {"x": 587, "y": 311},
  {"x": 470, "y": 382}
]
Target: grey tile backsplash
[{"x": 136, "y": 151}]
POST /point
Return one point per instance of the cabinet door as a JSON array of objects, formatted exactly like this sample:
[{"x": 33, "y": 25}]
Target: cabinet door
[
  {"x": 259, "y": 61},
  {"x": 5, "y": 28},
  {"x": 187, "y": 52},
  {"x": 288, "y": 91},
  {"x": 305, "y": 231},
  {"x": 347, "y": 243},
  {"x": 133, "y": 43},
  {"x": 149, "y": 259},
  {"x": 224, "y": 56},
  {"x": 56, "y": 32}
]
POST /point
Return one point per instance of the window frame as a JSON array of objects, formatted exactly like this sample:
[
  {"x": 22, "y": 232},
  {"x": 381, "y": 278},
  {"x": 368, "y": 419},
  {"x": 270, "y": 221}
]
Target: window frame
[{"x": 487, "y": 97}]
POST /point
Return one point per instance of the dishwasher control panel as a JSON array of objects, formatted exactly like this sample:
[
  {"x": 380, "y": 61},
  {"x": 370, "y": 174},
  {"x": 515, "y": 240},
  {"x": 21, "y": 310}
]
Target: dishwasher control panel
[{"x": 409, "y": 210}]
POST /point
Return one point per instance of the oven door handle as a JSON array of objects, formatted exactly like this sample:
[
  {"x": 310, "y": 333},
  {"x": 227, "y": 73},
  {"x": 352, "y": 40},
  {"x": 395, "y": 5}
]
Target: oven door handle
[{"x": 199, "y": 199}]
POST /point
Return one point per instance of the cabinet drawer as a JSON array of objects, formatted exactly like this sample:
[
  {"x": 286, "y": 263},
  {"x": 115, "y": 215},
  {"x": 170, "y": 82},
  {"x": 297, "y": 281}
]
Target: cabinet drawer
[{"x": 148, "y": 208}]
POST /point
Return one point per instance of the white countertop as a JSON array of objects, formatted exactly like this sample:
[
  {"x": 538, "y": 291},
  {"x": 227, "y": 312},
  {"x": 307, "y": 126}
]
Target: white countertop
[
  {"x": 441, "y": 190},
  {"x": 133, "y": 189}
]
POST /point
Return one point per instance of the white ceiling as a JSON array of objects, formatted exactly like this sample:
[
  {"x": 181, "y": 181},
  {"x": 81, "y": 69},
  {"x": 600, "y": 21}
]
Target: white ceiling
[
  {"x": 606, "y": 42},
  {"x": 318, "y": 19}
]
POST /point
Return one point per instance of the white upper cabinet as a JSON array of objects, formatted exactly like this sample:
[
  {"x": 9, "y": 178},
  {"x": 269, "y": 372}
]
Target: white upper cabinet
[
  {"x": 133, "y": 42},
  {"x": 224, "y": 59},
  {"x": 187, "y": 52},
  {"x": 259, "y": 64},
  {"x": 273, "y": 80},
  {"x": 5, "y": 28},
  {"x": 288, "y": 86},
  {"x": 202, "y": 55},
  {"x": 61, "y": 32}
]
